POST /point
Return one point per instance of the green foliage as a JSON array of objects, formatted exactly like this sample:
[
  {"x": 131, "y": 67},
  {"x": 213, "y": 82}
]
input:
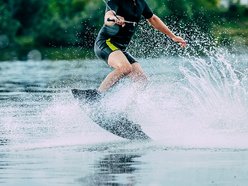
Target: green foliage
[
  {"x": 67, "y": 22},
  {"x": 8, "y": 25},
  {"x": 27, "y": 12},
  {"x": 199, "y": 12},
  {"x": 236, "y": 11}
]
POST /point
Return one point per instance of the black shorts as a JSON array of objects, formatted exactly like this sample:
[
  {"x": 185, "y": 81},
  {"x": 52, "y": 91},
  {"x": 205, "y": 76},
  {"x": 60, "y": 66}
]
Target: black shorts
[{"x": 103, "y": 48}]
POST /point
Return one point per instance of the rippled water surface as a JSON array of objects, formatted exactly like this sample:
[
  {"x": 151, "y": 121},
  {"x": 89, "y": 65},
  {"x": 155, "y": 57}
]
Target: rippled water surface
[{"x": 195, "y": 110}]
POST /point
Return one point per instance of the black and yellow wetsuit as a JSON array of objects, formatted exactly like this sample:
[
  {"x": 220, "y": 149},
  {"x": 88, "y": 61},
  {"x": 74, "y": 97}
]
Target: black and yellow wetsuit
[{"x": 112, "y": 38}]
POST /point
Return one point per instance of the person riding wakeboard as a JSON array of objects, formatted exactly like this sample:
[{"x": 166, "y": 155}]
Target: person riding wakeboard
[{"x": 120, "y": 21}]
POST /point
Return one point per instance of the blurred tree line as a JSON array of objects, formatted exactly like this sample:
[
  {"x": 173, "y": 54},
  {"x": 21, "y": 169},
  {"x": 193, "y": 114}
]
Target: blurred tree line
[{"x": 28, "y": 24}]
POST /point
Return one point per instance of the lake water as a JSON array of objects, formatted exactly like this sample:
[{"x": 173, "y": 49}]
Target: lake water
[{"x": 195, "y": 110}]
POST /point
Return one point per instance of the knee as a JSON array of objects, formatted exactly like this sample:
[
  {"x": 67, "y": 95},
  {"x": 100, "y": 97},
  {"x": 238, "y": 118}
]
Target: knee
[{"x": 125, "y": 69}]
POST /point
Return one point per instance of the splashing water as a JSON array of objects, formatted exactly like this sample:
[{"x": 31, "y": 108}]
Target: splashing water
[
  {"x": 205, "y": 106},
  {"x": 216, "y": 90}
]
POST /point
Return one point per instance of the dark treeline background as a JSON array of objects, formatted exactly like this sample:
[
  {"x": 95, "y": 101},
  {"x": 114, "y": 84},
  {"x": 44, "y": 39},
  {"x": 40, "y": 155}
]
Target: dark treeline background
[{"x": 66, "y": 29}]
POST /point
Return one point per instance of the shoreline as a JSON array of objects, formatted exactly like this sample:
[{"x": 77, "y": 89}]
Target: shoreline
[{"x": 76, "y": 53}]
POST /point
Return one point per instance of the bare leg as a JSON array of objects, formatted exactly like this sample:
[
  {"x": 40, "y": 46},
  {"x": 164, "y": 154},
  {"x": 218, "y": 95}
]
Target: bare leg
[
  {"x": 140, "y": 82},
  {"x": 138, "y": 75},
  {"x": 121, "y": 66},
  {"x": 110, "y": 80}
]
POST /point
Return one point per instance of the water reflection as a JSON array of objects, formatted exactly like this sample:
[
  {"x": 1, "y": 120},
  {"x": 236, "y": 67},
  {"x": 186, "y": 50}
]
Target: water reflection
[
  {"x": 3, "y": 141},
  {"x": 114, "y": 169}
]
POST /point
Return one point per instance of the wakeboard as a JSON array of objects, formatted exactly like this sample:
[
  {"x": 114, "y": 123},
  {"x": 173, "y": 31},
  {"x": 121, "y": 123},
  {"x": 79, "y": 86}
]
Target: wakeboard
[{"x": 116, "y": 123}]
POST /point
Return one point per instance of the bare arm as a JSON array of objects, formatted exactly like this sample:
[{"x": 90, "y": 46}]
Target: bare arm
[{"x": 158, "y": 24}]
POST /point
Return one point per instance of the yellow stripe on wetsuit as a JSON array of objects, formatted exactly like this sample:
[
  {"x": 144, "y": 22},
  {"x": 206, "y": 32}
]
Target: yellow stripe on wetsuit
[{"x": 111, "y": 45}]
